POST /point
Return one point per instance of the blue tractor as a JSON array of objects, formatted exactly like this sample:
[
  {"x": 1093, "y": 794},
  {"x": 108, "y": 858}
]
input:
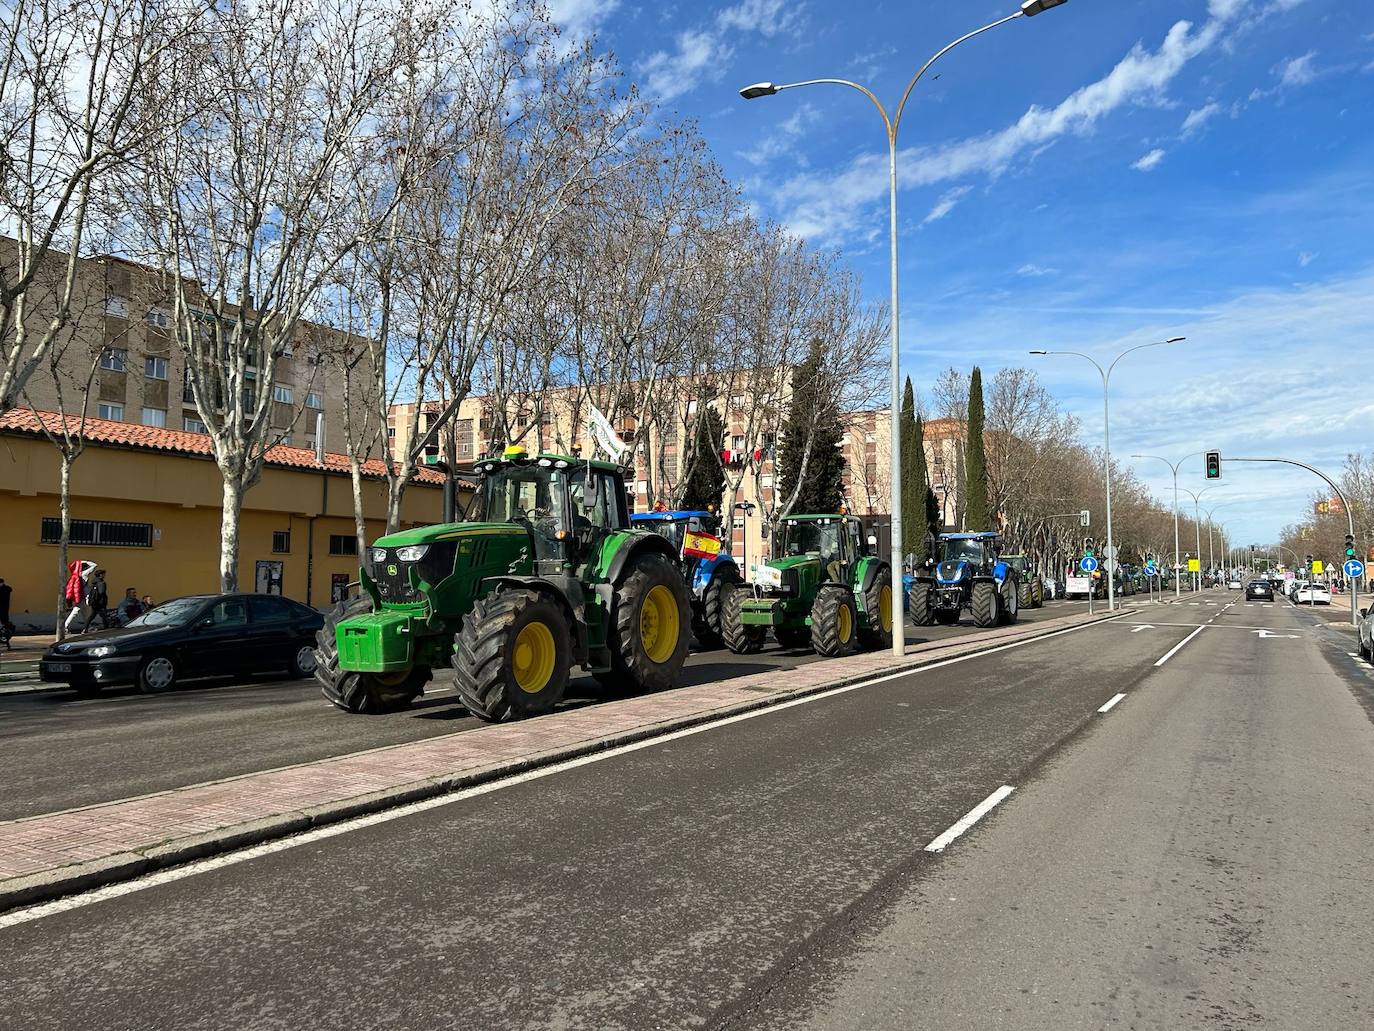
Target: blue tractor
[
  {"x": 709, "y": 576},
  {"x": 967, "y": 573}
]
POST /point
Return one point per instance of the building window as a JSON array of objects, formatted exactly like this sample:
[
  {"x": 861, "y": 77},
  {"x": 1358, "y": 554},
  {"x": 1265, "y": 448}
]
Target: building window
[
  {"x": 343, "y": 544},
  {"x": 100, "y": 533},
  {"x": 766, "y": 479},
  {"x": 113, "y": 359},
  {"x": 642, "y": 487},
  {"x": 158, "y": 318},
  {"x": 312, "y": 401},
  {"x": 155, "y": 417},
  {"x": 117, "y": 306},
  {"x": 737, "y": 442},
  {"x": 115, "y": 413},
  {"x": 155, "y": 368},
  {"x": 281, "y": 542},
  {"x": 737, "y": 402},
  {"x": 188, "y": 394},
  {"x": 391, "y": 433},
  {"x": 870, "y": 438},
  {"x": 192, "y": 425},
  {"x": 691, "y": 409},
  {"x": 283, "y": 394}
]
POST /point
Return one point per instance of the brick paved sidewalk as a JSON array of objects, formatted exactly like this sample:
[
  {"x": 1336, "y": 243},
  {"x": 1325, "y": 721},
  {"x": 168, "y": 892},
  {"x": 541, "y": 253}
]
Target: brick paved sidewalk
[{"x": 46, "y": 856}]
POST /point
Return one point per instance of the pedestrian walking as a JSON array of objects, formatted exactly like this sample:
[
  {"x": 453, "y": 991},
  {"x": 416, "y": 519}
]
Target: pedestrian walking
[
  {"x": 147, "y": 602},
  {"x": 79, "y": 574},
  {"x": 97, "y": 600},
  {"x": 129, "y": 607}
]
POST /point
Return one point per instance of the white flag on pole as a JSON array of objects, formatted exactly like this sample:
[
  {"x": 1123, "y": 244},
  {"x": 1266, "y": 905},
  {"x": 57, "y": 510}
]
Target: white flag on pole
[{"x": 604, "y": 434}]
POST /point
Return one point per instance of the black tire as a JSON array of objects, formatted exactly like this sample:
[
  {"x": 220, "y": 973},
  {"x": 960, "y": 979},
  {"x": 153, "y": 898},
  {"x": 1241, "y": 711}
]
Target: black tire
[
  {"x": 834, "y": 622},
  {"x": 372, "y": 694},
  {"x": 873, "y": 633},
  {"x": 707, "y": 625},
  {"x": 739, "y": 638},
  {"x": 157, "y": 673},
  {"x": 494, "y": 680},
  {"x": 1009, "y": 604},
  {"x": 918, "y": 605},
  {"x": 642, "y": 598},
  {"x": 985, "y": 604},
  {"x": 793, "y": 636},
  {"x": 1025, "y": 595},
  {"x": 327, "y": 673},
  {"x": 1039, "y": 593}
]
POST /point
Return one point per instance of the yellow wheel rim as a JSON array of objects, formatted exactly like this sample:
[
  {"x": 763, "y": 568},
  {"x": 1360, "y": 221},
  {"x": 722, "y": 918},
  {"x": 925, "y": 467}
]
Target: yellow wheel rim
[
  {"x": 659, "y": 624},
  {"x": 885, "y": 608},
  {"x": 844, "y": 624},
  {"x": 533, "y": 657}
]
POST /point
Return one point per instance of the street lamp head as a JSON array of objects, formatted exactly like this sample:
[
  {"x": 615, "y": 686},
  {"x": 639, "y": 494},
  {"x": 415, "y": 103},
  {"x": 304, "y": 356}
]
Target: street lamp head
[
  {"x": 1033, "y": 7},
  {"x": 1175, "y": 340},
  {"x": 760, "y": 89},
  {"x": 1038, "y": 352}
]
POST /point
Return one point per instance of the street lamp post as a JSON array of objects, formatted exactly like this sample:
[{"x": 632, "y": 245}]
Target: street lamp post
[
  {"x": 1174, "y": 467},
  {"x": 1029, "y": 9},
  {"x": 1197, "y": 523},
  {"x": 1106, "y": 375}
]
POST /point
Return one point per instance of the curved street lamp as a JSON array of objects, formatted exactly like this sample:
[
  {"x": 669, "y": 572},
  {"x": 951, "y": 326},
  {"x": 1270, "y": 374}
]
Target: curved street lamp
[{"x": 1029, "y": 9}]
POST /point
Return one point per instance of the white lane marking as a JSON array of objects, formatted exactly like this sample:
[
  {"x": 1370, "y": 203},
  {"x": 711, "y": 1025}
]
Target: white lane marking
[
  {"x": 974, "y": 815},
  {"x": 1171, "y": 652},
  {"x": 1110, "y": 702},
  {"x": 1219, "y": 626},
  {"x": 267, "y": 848}
]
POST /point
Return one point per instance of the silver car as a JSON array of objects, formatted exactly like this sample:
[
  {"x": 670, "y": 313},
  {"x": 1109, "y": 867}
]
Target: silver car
[{"x": 1366, "y": 630}]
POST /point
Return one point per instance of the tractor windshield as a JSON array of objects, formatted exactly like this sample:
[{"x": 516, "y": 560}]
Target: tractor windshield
[
  {"x": 970, "y": 551},
  {"x": 530, "y": 495},
  {"x": 809, "y": 539},
  {"x": 670, "y": 529},
  {"x": 1017, "y": 562}
]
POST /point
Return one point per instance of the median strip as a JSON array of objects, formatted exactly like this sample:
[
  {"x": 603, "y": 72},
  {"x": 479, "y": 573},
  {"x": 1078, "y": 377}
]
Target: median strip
[{"x": 56, "y": 854}]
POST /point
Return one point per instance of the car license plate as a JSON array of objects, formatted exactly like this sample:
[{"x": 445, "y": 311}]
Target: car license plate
[{"x": 59, "y": 667}]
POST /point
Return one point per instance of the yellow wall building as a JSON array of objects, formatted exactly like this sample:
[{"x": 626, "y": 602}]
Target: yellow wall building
[{"x": 146, "y": 502}]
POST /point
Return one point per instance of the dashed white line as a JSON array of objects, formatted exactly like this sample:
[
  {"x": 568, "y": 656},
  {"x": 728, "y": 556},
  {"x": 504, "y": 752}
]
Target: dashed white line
[
  {"x": 1110, "y": 702},
  {"x": 1172, "y": 651},
  {"x": 974, "y": 815}
]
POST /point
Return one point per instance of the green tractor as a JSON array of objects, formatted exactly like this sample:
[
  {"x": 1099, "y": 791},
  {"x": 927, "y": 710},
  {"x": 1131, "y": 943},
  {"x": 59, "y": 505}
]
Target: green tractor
[
  {"x": 549, "y": 575},
  {"x": 821, "y": 589},
  {"x": 1032, "y": 588}
]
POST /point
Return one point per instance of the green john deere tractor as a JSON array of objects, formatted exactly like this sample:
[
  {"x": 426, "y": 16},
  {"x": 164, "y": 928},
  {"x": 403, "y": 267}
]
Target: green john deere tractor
[
  {"x": 549, "y": 576},
  {"x": 1032, "y": 588},
  {"x": 821, "y": 589}
]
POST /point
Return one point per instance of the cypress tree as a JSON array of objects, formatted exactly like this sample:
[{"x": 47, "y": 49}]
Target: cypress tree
[
  {"x": 929, "y": 519},
  {"x": 912, "y": 484},
  {"x": 813, "y": 413},
  {"x": 976, "y": 514},
  {"x": 705, "y": 485}
]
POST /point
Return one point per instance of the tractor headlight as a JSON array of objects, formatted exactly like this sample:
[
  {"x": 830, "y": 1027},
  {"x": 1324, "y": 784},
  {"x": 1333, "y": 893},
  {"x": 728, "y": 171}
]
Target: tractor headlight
[
  {"x": 413, "y": 553},
  {"x": 101, "y": 651},
  {"x": 378, "y": 556}
]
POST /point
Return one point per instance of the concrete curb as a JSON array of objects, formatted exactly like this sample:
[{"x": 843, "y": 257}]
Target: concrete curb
[{"x": 55, "y": 883}]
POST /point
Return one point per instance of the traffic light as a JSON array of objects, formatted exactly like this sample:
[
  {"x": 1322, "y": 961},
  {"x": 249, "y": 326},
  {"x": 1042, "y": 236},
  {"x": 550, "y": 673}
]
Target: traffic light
[
  {"x": 1309, "y": 560},
  {"x": 1087, "y": 547},
  {"x": 1350, "y": 545},
  {"x": 1213, "y": 465}
]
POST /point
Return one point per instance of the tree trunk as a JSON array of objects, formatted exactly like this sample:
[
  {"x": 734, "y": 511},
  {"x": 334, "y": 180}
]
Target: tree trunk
[
  {"x": 229, "y": 536},
  {"x": 396, "y": 489},
  {"x": 355, "y": 472},
  {"x": 64, "y": 508}
]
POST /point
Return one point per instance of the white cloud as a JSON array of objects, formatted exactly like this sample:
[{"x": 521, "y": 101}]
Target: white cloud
[
  {"x": 581, "y": 18},
  {"x": 1297, "y": 71},
  {"x": 1197, "y": 119},
  {"x": 781, "y": 141},
  {"x": 768, "y": 17},
  {"x": 1306, "y": 258},
  {"x": 1149, "y": 162},
  {"x": 1031, "y": 269},
  {"x": 946, "y": 204},
  {"x": 700, "y": 53}
]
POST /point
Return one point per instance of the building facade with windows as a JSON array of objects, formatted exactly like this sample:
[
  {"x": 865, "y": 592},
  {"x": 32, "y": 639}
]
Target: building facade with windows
[
  {"x": 121, "y": 340},
  {"x": 145, "y": 505}
]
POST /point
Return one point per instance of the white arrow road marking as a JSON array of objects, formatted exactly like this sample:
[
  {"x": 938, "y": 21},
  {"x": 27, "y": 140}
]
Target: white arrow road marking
[
  {"x": 1266, "y": 633},
  {"x": 1143, "y": 626}
]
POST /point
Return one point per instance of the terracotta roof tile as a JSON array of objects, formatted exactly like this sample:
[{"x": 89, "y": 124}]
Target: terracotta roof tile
[{"x": 184, "y": 442}]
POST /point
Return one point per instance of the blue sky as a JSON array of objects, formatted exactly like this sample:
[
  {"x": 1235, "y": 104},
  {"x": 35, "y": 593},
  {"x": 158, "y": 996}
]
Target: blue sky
[{"x": 1110, "y": 173}]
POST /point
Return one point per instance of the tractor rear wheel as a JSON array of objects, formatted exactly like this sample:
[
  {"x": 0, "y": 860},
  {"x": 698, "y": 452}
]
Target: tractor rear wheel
[
  {"x": 511, "y": 657},
  {"x": 834, "y": 621},
  {"x": 876, "y": 631},
  {"x": 1039, "y": 586},
  {"x": 740, "y": 638},
  {"x": 1025, "y": 595},
  {"x": 650, "y": 627},
  {"x": 918, "y": 605},
  {"x": 1009, "y": 604},
  {"x": 985, "y": 604},
  {"x": 793, "y": 636}
]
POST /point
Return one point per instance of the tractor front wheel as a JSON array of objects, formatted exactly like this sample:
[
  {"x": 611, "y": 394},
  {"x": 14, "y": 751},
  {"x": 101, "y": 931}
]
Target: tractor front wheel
[
  {"x": 707, "y": 625},
  {"x": 650, "y": 627},
  {"x": 334, "y": 682},
  {"x": 371, "y": 694},
  {"x": 511, "y": 657},
  {"x": 834, "y": 621},
  {"x": 985, "y": 604},
  {"x": 1008, "y": 604},
  {"x": 876, "y": 631},
  {"x": 1039, "y": 586},
  {"x": 740, "y": 638},
  {"x": 918, "y": 605}
]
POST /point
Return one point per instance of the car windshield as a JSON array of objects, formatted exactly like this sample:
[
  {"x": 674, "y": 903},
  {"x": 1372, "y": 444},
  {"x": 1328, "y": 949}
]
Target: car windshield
[
  {"x": 967, "y": 550},
  {"x": 170, "y": 613},
  {"x": 809, "y": 538}
]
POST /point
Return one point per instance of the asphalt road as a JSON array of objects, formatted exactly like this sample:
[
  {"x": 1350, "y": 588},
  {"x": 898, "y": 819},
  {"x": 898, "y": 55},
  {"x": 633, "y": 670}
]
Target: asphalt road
[{"x": 58, "y": 751}]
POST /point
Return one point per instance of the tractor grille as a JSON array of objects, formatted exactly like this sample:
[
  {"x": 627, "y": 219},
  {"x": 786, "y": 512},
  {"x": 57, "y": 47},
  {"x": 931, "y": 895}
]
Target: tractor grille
[
  {"x": 393, "y": 576},
  {"x": 948, "y": 572}
]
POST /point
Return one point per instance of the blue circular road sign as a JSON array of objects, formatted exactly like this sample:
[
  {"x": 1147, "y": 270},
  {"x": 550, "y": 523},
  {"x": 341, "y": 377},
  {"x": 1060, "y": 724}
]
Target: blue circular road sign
[
  {"x": 1149, "y": 569},
  {"x": 1353, "y": 568},
  {"x": 1088, "y": 565}
]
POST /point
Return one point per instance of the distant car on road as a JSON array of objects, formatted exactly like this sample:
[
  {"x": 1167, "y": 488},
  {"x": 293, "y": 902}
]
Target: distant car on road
[
  {"x": 1234, "y": 584},
  {"x": 1259, "y": 590},
  {"x": 1313, "y": 594},
  {"x": 1367, "y": 633},
  {"x": 206, "y": 635}
]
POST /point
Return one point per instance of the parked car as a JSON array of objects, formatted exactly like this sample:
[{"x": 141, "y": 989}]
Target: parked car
[
  {"x": 1366, "y": 629},
  {"x": 1259, "y": 590},
  {"x": 1313, "y": 594},
  {"x": 197, "y": 636}
]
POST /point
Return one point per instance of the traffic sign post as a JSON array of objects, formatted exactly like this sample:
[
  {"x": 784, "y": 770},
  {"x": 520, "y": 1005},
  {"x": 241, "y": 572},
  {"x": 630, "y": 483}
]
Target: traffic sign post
[{"x": 1089, "y": 565}]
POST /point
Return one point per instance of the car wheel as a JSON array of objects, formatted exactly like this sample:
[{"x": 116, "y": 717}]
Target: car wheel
[
  {"x": 157, "y": 674},
  {"x": 303, "y": 662}
]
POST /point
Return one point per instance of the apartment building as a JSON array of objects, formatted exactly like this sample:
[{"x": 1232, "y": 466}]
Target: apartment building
[
  {"x": 120, "y": 339},
  {"x": 867, "y": 450}
]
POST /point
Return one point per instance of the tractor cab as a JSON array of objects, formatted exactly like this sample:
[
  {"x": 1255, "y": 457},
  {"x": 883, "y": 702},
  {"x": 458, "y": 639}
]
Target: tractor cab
[
  {"x": 674, "y": 526},
  {"x": 836, "y": 540}
]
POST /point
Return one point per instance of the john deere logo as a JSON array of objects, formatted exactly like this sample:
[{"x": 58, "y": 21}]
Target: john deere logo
[{"x": 391, "y": 570}]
